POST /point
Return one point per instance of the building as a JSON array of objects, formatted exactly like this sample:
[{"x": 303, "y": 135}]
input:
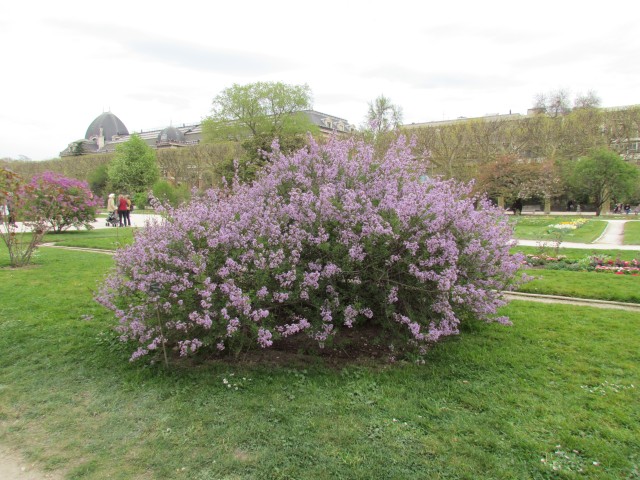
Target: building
[{"x": 107, "y": 131}]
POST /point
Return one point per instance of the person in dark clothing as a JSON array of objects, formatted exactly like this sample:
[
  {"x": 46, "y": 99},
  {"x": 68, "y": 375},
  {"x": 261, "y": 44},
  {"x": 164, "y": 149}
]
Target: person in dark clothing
[{"x": 517, "y": 207}]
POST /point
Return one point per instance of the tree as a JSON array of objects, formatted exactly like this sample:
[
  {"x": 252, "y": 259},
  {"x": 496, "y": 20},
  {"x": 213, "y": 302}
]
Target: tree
[
  {"x": 602, "y": 175},
  {"x": 257, "y": 113},
  {"x": 256, "y": 109},
  {"x": 99, "y": 179},
  {"x": 507, "y": 177},
  {"x": 588, "y": 100},
  {"x": 383, "y": 116},
  {"x": 134, "y": 167},
  {"x": 554, "y": 104}
]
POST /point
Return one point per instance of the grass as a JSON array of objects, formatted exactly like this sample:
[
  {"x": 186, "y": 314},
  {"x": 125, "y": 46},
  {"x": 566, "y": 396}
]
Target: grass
[
  {"x": 579, "y": 253},
  {"x": 601, "y": 286},
  {"x": 104, "y": 238},
  {"x": 632, "y": 233},
  {"x": 581, "y": 284},
  {"x": 493, "y": 402},
  {"x": 539, "y": 228}
]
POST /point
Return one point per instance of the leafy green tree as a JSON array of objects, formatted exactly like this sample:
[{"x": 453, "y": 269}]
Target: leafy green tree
[
  {"x": 99, "y": 180},
  {"x": 383, "y": 116},
  {"x": 603, "y": 175},
  {"x": 257, "y": 109},
  {"x": 167, "y": 193},
  {"x": 254, "y": 115},
  {"x": 134, "y": 167}
]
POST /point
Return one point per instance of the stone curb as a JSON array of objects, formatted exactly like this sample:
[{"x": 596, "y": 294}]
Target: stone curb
[
  {"x": 587, "y": 302},
  {"x": 80, "y": 249}
]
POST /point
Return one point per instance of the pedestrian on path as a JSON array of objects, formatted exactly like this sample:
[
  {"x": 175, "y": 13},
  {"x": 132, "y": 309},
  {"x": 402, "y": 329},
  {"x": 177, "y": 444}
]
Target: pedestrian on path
[
  {"x": 122, "y": 210},
  {"x": 111, "y": 203},
  {"x": 127, "y": 213}
]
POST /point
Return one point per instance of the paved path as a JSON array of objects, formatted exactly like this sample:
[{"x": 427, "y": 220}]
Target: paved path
[
  {"x": 613, "y": 234},
  {"x": 137, "y": 220}
]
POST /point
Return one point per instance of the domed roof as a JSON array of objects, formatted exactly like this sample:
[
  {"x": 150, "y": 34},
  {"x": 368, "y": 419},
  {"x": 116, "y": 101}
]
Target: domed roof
[
  {"x": 111, "y": 125},
  {"x": 170, "y": 134}
]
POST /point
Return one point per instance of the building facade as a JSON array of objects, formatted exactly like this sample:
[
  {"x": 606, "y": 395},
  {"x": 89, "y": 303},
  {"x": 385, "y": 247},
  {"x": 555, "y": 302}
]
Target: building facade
[{"x": 107, "y": 131}]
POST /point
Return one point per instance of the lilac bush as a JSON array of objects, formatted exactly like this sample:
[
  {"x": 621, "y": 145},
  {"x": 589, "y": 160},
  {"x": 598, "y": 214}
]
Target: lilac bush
[
  {"x": 64, "y": 202},
  {"x": 326, "y": 239},
  {"x": 20, "y": 228}
]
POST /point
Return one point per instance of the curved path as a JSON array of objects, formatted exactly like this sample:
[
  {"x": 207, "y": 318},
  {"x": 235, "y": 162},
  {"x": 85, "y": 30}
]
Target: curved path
[{"x": 613, "y": 234}]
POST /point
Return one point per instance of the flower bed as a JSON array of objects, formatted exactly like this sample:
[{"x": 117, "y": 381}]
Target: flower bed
[
  {"x": 591, "y": 263},
  {"x": 617, "y": 266},
  {"x": 572, "y": 225}
]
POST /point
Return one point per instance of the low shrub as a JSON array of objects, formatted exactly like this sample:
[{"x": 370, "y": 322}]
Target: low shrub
[
  {"x": 326, "y": 239},
  {"x": 63, "y": 202},
  {"x": 17, "y": 204}
]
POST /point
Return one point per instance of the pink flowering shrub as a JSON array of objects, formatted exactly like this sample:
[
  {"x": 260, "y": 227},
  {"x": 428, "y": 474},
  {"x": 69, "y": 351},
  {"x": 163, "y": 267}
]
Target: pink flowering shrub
[
  {"x": 326, "y": 239},
  {"x": 17, "y": 205},
  {"x": 63, "y": 202}
]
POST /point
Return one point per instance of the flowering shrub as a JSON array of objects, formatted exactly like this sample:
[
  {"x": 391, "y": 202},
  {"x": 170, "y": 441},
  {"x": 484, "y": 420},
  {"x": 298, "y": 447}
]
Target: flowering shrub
[
  {"x": 17, "y": 205},
  {"x": 328, "y": 238},
  {"x": 541, "y": 259},
  {"x": 63, "y": 202}
]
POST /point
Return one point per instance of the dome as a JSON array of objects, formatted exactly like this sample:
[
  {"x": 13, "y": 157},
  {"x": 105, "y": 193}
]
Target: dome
[
  {"x": 170, "y": 134},
  {"x": 111, "y": 125}
]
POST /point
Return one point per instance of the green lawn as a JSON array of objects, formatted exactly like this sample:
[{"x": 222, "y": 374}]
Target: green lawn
[
  {"x": 583, "y": 284},
  {"x": 105, "y": 238},
  {"x": 579, "y": 253},
  {"x": 602, "y": 286},
  {"x": 632, "y": 233},
  {"x": 556, "y": 390},
  {"x": 540, "y": 228}
]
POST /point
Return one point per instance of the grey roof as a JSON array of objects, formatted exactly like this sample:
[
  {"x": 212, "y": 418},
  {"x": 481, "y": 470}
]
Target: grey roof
[
  {"x": 328, "y": 122},
  {"x": 170, "y": 134},
  {"x": 111, "y": 125}
]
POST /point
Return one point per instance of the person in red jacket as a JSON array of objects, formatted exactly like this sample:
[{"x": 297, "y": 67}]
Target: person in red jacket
[{"x": 122, "y": 210}]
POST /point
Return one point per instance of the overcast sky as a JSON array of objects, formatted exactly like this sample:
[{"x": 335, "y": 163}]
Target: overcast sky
[{"x": 155, "y": 63}]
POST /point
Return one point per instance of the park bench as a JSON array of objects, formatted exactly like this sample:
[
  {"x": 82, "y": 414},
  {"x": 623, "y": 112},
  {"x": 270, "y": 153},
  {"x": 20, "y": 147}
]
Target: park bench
[{"x": 531, "y": 209}]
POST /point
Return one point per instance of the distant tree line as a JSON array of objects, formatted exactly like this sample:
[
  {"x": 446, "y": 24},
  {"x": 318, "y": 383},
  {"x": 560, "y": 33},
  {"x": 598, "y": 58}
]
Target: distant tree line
[{"x": 532, "y": 156}]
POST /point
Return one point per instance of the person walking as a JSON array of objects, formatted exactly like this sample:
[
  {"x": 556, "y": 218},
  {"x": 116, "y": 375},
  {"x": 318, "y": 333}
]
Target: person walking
[
  {"x": 127, "y": 216},
  {"x": 122, "y": 210},
  {"x": 111, "y": 203}
]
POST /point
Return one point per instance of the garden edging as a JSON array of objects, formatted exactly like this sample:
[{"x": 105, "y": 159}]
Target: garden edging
[{"x": 587, "y": 302}]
